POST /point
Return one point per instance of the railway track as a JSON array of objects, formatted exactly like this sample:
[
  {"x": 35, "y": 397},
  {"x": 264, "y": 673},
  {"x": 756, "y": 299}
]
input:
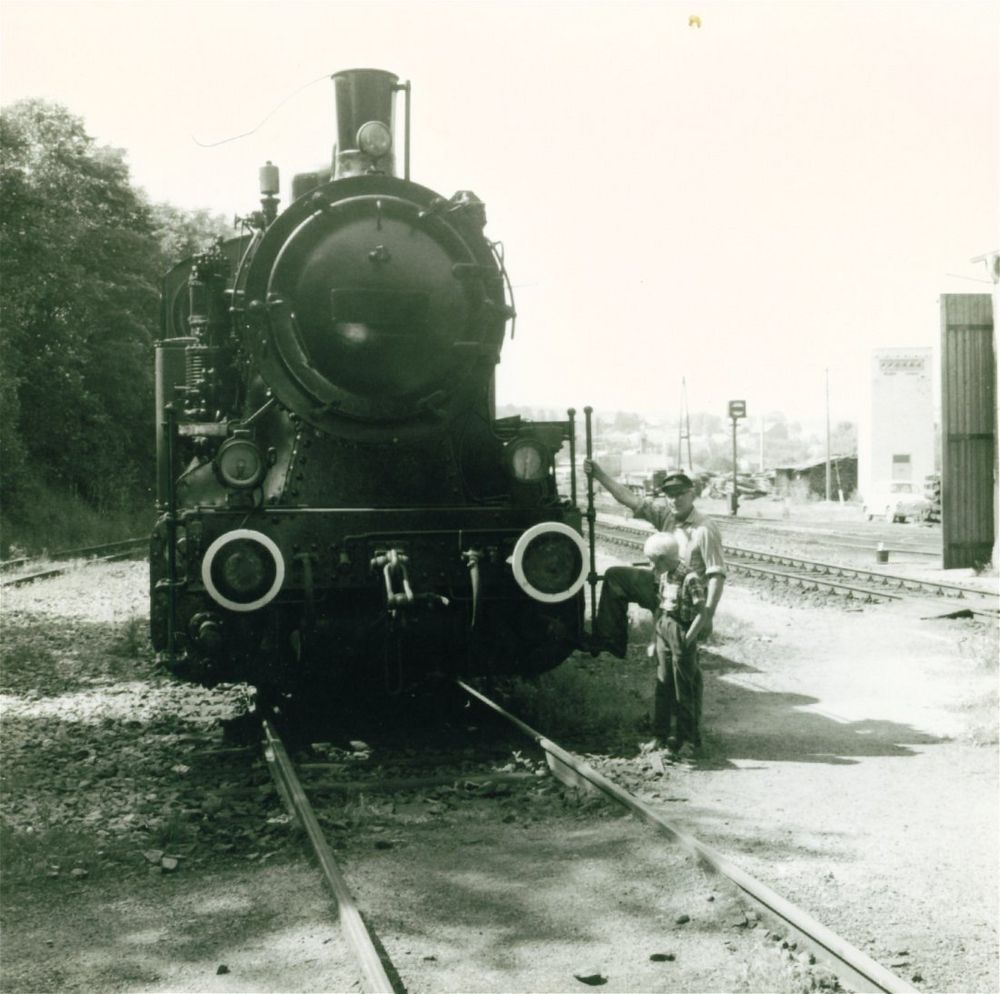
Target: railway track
[
  {"x": 898, "y": 541},
  {"x": 922, "y": 544},
  {"x": 853, "y": 968},
  {"x": 853, "y": 582},
  {"x": 108, "y": 552}
]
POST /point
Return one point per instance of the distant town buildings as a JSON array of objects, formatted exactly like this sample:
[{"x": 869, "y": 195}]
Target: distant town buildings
[{"x": 896, "y": 438}]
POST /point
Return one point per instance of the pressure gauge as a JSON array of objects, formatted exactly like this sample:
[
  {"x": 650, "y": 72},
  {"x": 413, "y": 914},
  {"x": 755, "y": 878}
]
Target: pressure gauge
[{"x": 527, "y": 460}]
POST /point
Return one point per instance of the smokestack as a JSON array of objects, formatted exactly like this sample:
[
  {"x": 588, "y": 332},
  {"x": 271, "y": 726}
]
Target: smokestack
[{"x": 364, "y": 96}]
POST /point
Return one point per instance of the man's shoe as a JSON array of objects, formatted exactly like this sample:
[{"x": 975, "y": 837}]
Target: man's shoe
[
  {"x": 687, "y": 753},
  {"x": 595, "y": 646}
]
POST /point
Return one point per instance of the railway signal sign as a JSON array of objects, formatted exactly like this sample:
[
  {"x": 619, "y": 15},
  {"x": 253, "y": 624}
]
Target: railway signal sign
[{"x": 737, "y": 410}]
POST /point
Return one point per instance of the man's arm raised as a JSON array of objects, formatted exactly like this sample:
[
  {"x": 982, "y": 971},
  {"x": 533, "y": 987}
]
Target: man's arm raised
[{"x": 619, "y": 491}]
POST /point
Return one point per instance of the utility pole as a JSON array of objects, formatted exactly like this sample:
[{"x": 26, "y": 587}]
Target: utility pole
[
  {"x": 828, "y": 480},
  {"x": 760, "y": 467},
  {"x": 684, "y": 429},
  {"x": 737, "y": 410}
]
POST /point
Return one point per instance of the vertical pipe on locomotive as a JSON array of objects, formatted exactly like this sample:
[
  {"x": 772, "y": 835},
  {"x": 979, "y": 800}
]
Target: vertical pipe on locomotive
[
  {"x": 571, "y": 416},
  {"x": 591, "y": 515}
]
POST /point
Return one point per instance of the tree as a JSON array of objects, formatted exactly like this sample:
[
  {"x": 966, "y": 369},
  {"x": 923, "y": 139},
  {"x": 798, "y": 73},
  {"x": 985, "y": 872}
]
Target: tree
[
  {"x": 182, "y": 233},
  {"x": 81, "y": 254},
  {"x": 77, "y": 299},
  {"x": 844, "y": 439}
]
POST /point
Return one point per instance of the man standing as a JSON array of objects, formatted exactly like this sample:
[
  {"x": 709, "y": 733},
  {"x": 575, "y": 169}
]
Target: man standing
[{"x": 697, "y": 538}]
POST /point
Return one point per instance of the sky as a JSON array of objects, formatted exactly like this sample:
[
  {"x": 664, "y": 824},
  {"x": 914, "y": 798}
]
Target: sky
[{"x": 751, "y": 205}]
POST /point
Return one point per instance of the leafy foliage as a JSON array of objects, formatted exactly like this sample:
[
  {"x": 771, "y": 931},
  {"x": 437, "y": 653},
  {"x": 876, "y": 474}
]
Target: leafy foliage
[{"x": 82, "y": 253}]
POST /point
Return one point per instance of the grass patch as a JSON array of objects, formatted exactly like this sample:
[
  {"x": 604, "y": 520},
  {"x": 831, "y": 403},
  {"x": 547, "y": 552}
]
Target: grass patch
[
  {"x": 173, "y": 832},
  {"x": 585, "y": 697},
  {"x": 46, "y": 661},
  {"x": 26, "y": 667},
  {"x": 50, "y": 521},
  {"x": 31, "y": 858},
  {"x": 131, "y": 641}
]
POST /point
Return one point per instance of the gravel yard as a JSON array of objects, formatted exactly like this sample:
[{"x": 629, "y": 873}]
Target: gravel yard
[{"x": 851, "y": 762}]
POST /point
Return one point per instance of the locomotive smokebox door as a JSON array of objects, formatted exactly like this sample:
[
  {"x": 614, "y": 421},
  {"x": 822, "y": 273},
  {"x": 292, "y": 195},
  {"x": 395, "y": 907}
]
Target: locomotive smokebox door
[{"x": 371, "y": 306}]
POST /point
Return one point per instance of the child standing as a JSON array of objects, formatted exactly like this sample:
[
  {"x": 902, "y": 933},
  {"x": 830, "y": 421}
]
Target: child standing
[{"x": 680, "y": 616}]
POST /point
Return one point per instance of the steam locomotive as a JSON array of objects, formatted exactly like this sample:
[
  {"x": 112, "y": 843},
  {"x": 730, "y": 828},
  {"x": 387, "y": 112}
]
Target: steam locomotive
[{"x": 336, "y": 498}]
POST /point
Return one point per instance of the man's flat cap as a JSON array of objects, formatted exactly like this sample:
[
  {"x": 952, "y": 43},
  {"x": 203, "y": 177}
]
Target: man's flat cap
[{"x": 676, "y": 483}]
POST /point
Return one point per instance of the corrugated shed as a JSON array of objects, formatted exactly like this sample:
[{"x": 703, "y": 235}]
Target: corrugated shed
[
  {"x": 843, "y": 476},
  {"x": 968, "y": 426}
]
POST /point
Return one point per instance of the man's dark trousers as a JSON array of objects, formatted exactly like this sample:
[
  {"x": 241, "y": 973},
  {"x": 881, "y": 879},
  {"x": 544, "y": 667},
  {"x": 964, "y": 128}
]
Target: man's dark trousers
[{"x": 622, "y": 585}]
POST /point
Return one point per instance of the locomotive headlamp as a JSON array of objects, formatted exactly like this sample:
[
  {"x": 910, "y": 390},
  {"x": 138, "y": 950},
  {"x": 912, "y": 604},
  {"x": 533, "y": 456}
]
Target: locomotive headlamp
[
  {"x": 550, "y": 562},
  {"x": 239, "y": 464},
  {"x": 243, "y": 570},
  {"x": 527, "y": 460},
  {"x": 374, "y": 139}
]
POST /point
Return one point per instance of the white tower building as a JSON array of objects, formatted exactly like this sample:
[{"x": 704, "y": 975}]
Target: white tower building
[{"x": 896, "y": 440}]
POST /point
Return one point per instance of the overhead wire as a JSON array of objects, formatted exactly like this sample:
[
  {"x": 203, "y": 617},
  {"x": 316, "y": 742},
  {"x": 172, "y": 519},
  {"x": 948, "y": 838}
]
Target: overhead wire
[{"x": 274, "y": 110}]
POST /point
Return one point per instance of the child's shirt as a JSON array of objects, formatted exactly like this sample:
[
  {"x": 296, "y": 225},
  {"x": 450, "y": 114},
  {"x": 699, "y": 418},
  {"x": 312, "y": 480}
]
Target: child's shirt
[{"x": 682, "y": 594}]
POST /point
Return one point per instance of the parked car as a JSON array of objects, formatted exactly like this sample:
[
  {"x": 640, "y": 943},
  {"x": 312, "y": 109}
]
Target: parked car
[{"x": 896, "y": 501}]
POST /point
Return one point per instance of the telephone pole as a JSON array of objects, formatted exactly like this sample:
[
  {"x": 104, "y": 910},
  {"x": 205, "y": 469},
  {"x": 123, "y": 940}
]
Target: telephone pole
[
  {"x": 684, "y": 428},
  {"x": 828, "y": 480}
]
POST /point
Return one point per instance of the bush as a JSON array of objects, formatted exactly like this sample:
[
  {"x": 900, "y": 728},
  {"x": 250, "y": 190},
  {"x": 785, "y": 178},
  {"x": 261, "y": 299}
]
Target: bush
[{"x": 49, "y": 520}]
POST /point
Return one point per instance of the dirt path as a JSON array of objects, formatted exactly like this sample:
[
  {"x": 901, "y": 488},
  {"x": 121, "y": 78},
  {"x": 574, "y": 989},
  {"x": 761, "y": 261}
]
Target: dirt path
[
  {"x": 860, "y": 751},
  {"x": 851, "y": 762}
]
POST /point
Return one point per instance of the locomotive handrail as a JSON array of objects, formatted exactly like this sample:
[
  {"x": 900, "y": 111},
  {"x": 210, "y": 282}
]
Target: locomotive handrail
[
  {"x": 267, "y": 405},
  {"x": 497, "y": 249},
  {"x": 571, "y": 415},
  {"x": 406, "y": 90},
  {"x": 170, "y": 429},
  {"x": 591, "y": 515}
]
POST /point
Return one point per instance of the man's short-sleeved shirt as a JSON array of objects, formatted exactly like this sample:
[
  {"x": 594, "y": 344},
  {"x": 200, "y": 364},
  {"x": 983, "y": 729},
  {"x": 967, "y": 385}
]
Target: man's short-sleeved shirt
[{"x": 697, "y": 536}]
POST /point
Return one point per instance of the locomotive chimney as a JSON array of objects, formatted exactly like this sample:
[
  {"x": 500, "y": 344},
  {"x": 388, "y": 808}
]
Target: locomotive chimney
[{"x": 365, "y": 122}]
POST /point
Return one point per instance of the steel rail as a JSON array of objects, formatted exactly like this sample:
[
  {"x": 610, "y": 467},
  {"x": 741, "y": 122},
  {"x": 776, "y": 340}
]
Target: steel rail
[
  {"x": 853, "y": 966},
  {"x": 374, "y": 978},
  {"x": 814, "y": 581},
  {"x": 853, "y": 542},
  {"x": 802, "y": 578},
  {"x": 20, "y": 581},
  {"x": 813, "y": 566},
  {"x": 874, "y": 576},
  {"x": 9, "y": 564}
]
